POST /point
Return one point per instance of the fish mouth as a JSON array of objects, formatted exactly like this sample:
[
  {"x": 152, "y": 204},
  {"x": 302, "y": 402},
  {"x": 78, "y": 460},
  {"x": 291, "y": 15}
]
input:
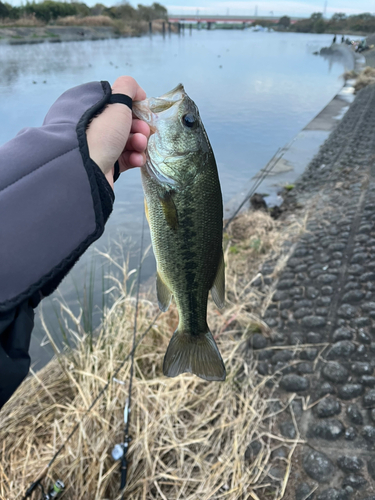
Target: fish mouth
[
  {"x": 167, "y": 100},
  {"x": 148, "y": 109}
]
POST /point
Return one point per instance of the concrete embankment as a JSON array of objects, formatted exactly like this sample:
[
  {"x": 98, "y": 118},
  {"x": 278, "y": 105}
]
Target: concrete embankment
[
  {"x": 321, "y": 341},
  {"x": 55, "y": 34}
]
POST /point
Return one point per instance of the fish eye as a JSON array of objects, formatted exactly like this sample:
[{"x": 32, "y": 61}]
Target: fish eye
[{"x": 189, "y": 120}]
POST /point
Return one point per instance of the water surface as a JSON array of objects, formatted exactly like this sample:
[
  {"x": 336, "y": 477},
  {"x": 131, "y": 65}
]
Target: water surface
[{"x": 255, "y": 91}]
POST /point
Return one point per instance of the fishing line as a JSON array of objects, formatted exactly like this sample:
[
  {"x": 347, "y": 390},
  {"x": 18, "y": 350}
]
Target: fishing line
[{"x": 265, "y": 172}]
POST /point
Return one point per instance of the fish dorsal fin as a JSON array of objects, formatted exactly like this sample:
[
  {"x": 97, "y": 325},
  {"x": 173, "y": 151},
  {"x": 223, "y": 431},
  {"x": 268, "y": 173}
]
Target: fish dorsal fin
[
  {"x": 218, "y": 289},
  {"x": 169, "y": 209},
  {"x": 164, "y": 295}
]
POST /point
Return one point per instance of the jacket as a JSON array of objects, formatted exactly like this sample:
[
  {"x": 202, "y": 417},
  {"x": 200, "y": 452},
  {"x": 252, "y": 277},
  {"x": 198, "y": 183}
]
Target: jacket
[{"x": 54, "y": 202}]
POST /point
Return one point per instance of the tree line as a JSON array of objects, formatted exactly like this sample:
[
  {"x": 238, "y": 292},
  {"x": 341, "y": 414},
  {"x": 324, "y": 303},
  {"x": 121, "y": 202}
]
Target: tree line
[
  {"x": 338, "y": 23},
  {"x": 50, "y": 10}
]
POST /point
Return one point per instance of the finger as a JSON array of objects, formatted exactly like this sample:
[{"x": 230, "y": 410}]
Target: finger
[
  {"x": 127, "y": 85},
  {"x": 139, "y": 126},
  {"x": 131, "y": 159},
  {"x": 136, "y": 142}
]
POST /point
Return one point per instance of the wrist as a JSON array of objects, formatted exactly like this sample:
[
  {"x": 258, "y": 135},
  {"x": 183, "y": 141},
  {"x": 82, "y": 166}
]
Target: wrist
[{"x": 103, "y": 160}]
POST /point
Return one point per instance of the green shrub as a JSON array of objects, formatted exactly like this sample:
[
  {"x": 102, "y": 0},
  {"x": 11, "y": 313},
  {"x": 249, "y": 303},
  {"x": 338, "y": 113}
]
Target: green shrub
[
  {"x": 155, "y": 11},
  {"x": 49, "y": 10},
  {"x": 284, "y": 21}
]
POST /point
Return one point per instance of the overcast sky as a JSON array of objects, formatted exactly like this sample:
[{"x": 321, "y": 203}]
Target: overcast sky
[{"x": 302, "y": 8}]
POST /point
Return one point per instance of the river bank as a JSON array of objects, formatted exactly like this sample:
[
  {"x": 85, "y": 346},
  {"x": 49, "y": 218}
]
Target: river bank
[
  {"x": 73, "y": 31},
  {"x": 52, "y": 33},
  {"x": 55, "y": 34},
  {"x": 321, "y": 318}
]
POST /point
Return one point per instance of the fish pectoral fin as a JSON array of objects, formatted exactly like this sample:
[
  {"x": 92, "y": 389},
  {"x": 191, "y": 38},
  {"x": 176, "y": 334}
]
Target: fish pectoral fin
[
  {"x": 169, "y": 209},
  {"x": 196, "y": 354},
  {"x": 164, "y": 295},
  {"x": 218, "y": 289}
]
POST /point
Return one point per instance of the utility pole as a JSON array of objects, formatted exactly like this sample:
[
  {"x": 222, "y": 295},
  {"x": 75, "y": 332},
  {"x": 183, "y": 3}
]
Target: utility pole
[
  {"x": 325, "y": 8},
  {"x": 256, "y": 11}
]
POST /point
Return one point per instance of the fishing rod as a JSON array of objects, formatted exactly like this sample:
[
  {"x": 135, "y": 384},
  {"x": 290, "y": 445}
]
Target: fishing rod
[
  {"x": 265, "y": 172},
  {"x": 120, "y": 450},
  {"x": 38, "y": 483},
  {"x": 59, "y": 486}
]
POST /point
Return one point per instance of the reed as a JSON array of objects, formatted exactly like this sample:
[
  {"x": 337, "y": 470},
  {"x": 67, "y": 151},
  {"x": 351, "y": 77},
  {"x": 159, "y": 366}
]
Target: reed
[
  {"x": 25, "y": 21},
  {"x": 85, "y": 21},
  {"x": 365, "y": 78}
]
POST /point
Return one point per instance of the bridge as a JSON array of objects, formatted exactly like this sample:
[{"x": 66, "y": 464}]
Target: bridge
[{"x": 209, "y": 18}]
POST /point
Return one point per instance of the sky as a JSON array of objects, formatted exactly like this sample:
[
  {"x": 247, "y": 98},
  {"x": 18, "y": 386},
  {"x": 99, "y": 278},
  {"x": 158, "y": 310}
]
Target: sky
[
  {"x": 299, "y": 8},
  {"x": 302, "y": 8}
]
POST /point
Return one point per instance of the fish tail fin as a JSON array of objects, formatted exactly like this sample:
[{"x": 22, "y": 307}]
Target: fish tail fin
[{"x": 196, "y": 354}]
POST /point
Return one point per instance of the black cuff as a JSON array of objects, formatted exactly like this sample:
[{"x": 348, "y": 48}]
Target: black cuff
[{"x": 116, "y": 174}]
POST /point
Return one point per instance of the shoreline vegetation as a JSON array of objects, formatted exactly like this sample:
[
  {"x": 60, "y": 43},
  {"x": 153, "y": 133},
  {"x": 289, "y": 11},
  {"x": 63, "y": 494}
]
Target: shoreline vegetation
[
  {"x": 190, "y": 439},
  {"x": 51, "y": 21},
  {"x": 57, "y": 21}
]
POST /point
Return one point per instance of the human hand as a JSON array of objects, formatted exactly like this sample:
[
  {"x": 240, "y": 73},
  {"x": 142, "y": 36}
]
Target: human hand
[{"x": 116, "y": 135}]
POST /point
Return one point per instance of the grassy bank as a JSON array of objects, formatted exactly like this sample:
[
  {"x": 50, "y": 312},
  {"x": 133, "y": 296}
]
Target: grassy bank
[
  {"x": 191, "y": 439},
  {"x": 34, "y": 21},
  {"x": 73, "y": 28}
]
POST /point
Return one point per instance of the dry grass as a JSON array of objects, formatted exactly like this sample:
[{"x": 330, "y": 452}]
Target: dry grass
[
  {"x": 252, "y": 239},
  {"x": 365, "y": 78},
  {"x": 85, "y": 21},
  {"x": 25, "y": 22},
  {"x": 133, "y": 28},
  {"x": 189, "y": 436},
  {"x": 122, "y": 27},
  {"x": 350, "y": 75}
]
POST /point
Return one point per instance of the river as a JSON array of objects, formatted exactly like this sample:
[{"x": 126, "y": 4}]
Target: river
[{"x": 255, "y": 91}]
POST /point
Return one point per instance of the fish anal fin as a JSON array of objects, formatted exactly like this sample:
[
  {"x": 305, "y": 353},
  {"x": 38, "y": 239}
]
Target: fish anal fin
[
  {"x": 169, "y": 209},
  {"x": 164, "y": 295},
  {"x": 194, "y": 354},
  {"x": 218, "y": 288}
]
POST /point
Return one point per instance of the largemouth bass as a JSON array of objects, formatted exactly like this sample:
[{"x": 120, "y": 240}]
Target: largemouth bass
[{"x": 184, "y": 210}]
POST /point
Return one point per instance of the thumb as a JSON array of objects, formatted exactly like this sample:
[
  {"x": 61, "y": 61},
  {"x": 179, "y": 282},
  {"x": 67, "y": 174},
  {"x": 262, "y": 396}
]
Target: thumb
[{"x": 127, "y": 85}]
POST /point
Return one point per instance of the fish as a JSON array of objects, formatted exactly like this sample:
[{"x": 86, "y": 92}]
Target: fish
[{"x": 184, "y": 209}]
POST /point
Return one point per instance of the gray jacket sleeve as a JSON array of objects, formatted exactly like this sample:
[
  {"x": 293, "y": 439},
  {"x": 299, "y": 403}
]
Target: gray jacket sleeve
[{"x": 54, "y": 200}]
